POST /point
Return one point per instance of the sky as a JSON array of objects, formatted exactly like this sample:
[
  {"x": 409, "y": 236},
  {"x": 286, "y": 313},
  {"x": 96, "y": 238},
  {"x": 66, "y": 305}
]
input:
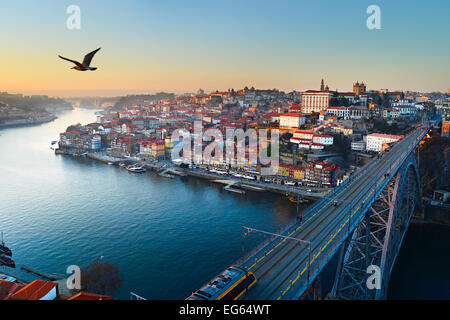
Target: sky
[{"x": 180, "y": 46}]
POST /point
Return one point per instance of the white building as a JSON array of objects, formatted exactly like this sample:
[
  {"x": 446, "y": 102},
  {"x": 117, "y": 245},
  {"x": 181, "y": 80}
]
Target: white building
[
  {"x": 291, "y": 120},
  {"x": 340, "y": 112},
  {"x": 302, "y": 144},
  {"x": 96, "y": 142},
  {"x": 358, "y": 146},
  {"x": 406, "y": 111},
  {"x": 375, "y": 141},
  {"x": 402, "y": 102},
  {"x": 308, "y": 140},
  {"x": 323, "y": 139},
  {"x": 317, "y": 146},
  {"x": 315, "y": 101},
  {"x": 303, "y": 134}
]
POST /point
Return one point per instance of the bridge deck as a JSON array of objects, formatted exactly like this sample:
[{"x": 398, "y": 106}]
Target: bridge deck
[{"x": 283, "y": 266}]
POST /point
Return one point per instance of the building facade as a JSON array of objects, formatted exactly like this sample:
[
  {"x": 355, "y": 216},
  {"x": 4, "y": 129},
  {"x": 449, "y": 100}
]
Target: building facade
[
  {"x": 375, "y": 141},
  {"x": 291, "y": 120},
  {"x": 315, "y": 101}
]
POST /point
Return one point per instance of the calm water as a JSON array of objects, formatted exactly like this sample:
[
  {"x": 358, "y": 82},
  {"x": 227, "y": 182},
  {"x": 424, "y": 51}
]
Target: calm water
[
  {"x": 422, "y": 270},
  {"x": 167, "y": 236}
]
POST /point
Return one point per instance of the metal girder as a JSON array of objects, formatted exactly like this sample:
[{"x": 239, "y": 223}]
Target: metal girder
[{"x": 378, "y": 237}]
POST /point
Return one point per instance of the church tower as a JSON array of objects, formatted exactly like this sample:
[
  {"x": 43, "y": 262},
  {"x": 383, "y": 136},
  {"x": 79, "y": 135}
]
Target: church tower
[
  {"x": 356, "y": 88},
  {"x": 359, "y": 88},
  {"x": 322, "y": 86}
]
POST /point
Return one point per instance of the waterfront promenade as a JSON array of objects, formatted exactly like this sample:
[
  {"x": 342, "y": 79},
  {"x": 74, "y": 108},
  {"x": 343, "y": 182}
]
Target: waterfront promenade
[{"x": 228, "y": 179}]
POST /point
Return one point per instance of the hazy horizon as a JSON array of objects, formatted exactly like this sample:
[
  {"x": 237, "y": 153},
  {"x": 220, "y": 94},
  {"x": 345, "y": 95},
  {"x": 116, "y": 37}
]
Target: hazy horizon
[
  {"x": 121, "y": 93},
  {"x": 175, "y": 46}
]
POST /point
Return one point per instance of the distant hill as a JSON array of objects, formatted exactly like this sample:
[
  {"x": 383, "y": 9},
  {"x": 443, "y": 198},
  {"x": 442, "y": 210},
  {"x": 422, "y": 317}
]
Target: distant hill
[
  {"x": 93, "y": 102},
  {"x": 18, "y": 103},
  {"x": 141, "y": 99}
]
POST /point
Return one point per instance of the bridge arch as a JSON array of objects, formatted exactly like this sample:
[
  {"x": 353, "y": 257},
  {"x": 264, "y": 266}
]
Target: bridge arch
[{"x": 378, "y": 237}]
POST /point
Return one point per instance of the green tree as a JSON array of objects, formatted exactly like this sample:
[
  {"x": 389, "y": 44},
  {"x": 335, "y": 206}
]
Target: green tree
[{"x": 101, "y": 278}]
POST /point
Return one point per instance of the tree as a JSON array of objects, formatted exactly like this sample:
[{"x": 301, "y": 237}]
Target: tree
[
  {"x": 101, "y": 278},
  {"x": 314, "y": 117}
]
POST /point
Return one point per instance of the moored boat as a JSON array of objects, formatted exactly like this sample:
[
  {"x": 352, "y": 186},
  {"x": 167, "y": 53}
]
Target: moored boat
[
  {"x": 4, "y": 250},
  {"x": 292, "y": 199},
  {"x": 4, "y": 260},
  {"x": 5, "y": 277},
  {"x": 136, "y": 168},
  {"x": 167, "y": 175}
]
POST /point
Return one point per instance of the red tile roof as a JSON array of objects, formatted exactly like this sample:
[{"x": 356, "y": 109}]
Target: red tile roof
[
  {"x": 291, "y": 114},
  {"x": 34, "y": 290},
  {"x": 8, "y": 288},
  {"x": 89, "y": 296}
]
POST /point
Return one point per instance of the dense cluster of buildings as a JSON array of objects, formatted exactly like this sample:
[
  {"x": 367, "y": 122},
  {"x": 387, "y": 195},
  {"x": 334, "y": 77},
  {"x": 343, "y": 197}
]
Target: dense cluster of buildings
[{"x": 312, "y": 119}]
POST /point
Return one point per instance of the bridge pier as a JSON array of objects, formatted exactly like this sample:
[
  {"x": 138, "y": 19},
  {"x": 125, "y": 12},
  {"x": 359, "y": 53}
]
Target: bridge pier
[{"x": 314, "y": 292}]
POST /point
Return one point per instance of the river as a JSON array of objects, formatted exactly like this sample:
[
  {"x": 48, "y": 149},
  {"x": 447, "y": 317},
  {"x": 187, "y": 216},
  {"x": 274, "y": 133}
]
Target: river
[{"x": 167, "y": 236}]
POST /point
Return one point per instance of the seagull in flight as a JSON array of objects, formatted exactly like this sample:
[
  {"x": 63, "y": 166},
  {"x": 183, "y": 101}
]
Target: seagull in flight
[{"x": 86, "y": 62}]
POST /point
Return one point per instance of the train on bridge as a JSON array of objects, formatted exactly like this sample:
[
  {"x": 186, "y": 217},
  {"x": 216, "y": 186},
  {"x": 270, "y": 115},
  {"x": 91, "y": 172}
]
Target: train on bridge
[{"x": 229, "y": 285}]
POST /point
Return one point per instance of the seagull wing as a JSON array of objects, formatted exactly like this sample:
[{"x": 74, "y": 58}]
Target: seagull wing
[
  {"x": 88, "y": 58},
  {"x": 73, "y": 61}
]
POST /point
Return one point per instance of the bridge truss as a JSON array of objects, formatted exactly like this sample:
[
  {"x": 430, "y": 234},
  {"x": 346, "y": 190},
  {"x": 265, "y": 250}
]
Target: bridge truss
[{"x": 377, "y": 239}]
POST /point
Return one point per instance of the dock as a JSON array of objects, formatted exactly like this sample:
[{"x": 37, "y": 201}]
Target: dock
[
  {"x": 252, "y": 188},
  {"x": 104, "y": 158},
  {"x": 43, "y": 275},
  {"x": 235, "y": 190}
]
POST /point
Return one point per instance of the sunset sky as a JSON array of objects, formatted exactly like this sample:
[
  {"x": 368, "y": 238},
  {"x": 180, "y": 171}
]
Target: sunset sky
[{"x": 184, "y": 45}]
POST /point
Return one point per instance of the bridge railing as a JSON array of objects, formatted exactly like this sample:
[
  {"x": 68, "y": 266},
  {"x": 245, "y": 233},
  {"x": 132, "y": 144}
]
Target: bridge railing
[
  {"x": 265, "y": 247},
  {"x": 262, "y": 250},
  {"x": 298, "y": 283}
]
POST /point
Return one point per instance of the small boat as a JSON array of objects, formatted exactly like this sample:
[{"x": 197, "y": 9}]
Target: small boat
[
  {"x": 136, "y": 168},
  {"x": 122, "y": 165},
  {"x": 167, "y": 175},
  {"x": 4, "y": 277},
  {"x": 4, "y": 250},
  {"x": 292, "y": 199},
  {"x": 110, "y": 163},
  {"x": 239, "y": 191},
  {"x": 4, "y": 260}
]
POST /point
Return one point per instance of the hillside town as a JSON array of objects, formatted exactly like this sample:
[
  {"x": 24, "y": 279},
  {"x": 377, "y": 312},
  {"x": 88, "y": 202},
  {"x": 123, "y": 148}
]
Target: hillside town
[
  {"x": 20, "y": 110},
  {"x": 325, "y": 135}
]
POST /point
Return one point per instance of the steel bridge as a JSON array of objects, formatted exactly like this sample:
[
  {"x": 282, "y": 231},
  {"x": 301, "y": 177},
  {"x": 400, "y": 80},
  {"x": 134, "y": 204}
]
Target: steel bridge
[{"x": 364, "y": 220}]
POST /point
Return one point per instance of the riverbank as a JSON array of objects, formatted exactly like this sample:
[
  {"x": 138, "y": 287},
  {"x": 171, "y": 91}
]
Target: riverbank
[
  {"x": 26, "y": 122},
  {"x": 435, "y": 213},
  {"x": 228, "y": 179},
  {"x": 62, "y": 211},
  {"x": 65, "y": 210}
]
